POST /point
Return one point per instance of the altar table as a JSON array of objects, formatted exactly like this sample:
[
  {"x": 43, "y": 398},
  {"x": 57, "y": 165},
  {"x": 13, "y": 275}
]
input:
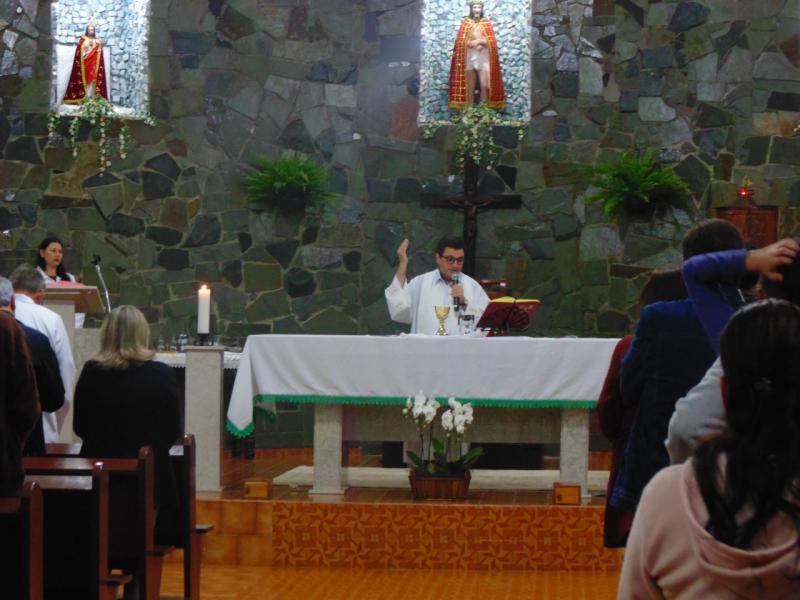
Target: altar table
[{"x": 359, "y": 382}]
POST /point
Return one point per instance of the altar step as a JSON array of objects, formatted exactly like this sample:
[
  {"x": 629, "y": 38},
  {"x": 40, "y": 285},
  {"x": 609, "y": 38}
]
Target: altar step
[
  {"x": 501, "y": 479},
  {"x": 384, "y": 528}
]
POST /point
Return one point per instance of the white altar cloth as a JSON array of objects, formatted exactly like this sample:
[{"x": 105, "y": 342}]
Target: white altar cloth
[{"x": 513, "y": 372}]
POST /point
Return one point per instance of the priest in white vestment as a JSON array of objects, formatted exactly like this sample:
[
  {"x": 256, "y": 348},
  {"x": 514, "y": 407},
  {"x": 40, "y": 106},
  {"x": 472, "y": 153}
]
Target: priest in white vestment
[{"x": 414, "y": 301}]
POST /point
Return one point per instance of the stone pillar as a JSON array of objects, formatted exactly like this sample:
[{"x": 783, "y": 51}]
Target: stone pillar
[
  {"x": 85, "y": 345},
  {"x": 328, "y": 473},
  {"x": 575, "y": 447},
  {"x": 203, "y": 416}
]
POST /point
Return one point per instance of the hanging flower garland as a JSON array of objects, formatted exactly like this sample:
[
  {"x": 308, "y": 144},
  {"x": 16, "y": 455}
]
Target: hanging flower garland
[
  {"x": 474, "y": 127},
  {"x": 100, "y": 114}
]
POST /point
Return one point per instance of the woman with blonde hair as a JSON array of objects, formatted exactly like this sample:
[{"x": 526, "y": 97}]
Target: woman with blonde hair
[{"x": 125, "y": 400}]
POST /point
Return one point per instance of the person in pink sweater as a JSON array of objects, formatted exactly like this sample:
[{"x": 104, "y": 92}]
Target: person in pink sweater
[{"x": 725, "y": 523}]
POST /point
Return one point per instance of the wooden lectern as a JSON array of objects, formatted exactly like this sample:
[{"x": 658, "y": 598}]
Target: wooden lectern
[{"x": 66, "y": 300}]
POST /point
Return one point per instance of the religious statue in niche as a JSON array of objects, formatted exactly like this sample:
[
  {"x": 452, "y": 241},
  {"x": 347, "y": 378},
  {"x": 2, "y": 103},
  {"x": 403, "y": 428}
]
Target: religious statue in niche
[
  {"x": 88, "y": 75},
  {"x": 476, "y": 62}
]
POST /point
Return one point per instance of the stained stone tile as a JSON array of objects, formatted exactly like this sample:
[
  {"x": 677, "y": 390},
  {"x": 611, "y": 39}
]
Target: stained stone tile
[
  {"x": 206, "y": 231},
  {"x": 124, "y": 225},
  {"x": 654, "y": 109},
  {"x": 785, "y": 151},
  {"x": 775, "y": 65},
  {"x": 688, "y": 15}
]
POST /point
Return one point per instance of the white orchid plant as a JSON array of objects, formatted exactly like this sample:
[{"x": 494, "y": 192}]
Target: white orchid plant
[{"x": 437, "y": 458}]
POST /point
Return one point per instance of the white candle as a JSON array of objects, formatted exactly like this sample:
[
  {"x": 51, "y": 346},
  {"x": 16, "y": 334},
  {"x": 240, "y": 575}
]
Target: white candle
[{"x": 203, "y": 309}]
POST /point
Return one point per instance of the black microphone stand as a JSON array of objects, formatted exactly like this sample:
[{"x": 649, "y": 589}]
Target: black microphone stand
[{"x": 96, "y": 262}]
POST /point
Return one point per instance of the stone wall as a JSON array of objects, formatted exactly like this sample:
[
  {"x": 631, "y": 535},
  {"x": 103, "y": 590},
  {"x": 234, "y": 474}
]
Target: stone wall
[{"x": 715, "y": 86}]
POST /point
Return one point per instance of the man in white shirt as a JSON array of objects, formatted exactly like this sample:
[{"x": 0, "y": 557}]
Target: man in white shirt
[
  {"x": 29, "y": 288},
  {"x": 414, "y": 301}
]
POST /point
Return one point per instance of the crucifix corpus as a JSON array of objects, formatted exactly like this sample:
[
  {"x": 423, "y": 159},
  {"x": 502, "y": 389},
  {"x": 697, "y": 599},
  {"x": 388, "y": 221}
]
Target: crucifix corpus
[{"x": 471, "y": 202}]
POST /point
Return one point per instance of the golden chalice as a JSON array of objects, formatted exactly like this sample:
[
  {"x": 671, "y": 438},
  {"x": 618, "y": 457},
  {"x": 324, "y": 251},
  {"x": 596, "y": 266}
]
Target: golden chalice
[{"x": 441, "y": 314}]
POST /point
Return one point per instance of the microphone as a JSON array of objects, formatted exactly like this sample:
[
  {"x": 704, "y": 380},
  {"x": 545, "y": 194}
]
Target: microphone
[{"x": 456, "y": 280}]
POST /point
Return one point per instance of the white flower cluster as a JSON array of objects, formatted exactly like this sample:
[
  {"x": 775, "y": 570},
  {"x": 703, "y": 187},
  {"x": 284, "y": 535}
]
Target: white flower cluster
[
  {"x": 422, "y": 408},
  {"x": 457, "y": 417}
]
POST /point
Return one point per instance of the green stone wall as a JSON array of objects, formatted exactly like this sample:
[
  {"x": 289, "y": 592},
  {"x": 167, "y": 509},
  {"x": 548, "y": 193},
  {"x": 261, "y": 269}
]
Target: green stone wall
[{"x": 713, "y": 86}]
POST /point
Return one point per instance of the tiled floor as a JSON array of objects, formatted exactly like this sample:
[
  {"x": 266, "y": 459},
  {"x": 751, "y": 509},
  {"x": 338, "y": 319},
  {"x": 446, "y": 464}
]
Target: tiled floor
[{"x": 262, "y": 583}]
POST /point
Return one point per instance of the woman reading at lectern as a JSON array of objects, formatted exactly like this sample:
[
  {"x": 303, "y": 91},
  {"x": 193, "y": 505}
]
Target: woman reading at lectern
[{"x": 50, "y": 263}]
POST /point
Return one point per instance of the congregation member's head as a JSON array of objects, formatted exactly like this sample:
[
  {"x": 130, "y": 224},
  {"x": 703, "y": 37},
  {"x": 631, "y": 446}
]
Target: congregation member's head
[
  {"x": 450, "y": 255},
  {"x": 29, "y": 281},
  {"x": 6, "y": 295},
  {"x": 760, "y": 351},
  {"x": 124, "y": 339},
  {"x": 663, "y": 286},
  {"x": 711, "y": 235},
  {"x": 789, "y": 287}
]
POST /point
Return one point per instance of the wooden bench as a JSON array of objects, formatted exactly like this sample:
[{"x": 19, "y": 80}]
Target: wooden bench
[
  {"x": 131, "y": 545},
  {"x": 21, "y": 553},
  {"x": 75, "y": 539},
  {"x": 189, "y": 534},
  {"x": 186, "y": 533}
]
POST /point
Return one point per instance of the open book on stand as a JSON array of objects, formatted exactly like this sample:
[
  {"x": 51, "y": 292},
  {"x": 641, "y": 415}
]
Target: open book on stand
[{"x": 507, "y": 314}]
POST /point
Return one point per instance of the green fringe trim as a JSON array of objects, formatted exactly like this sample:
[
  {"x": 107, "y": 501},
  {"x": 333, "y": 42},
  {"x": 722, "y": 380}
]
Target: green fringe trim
[
  {"x": 401, "y": 400},
  {"x": 268, "y": 413},
  {"x": 239, "y": 433}
]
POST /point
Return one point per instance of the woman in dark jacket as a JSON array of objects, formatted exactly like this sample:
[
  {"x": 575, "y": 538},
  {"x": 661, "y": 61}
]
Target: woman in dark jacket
[
  {"x": 615, "y": 417},
  {"x": 124, "y": 400}
]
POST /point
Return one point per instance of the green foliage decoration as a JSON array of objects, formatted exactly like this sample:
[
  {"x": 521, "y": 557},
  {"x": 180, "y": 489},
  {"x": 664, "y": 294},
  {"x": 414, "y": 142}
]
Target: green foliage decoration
[
  {"x": 100, "y": 114},
  {"x": 287, "y": 183},
  {"x": 474, "y": 126},
  {"x": 634, "y": 184}
]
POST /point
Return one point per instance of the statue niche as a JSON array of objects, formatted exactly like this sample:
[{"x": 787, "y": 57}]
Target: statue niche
[
  {"x": 490, "y": 57},
  {"x": 100, "y": 50},
  {"x": 475, "y": 64}
]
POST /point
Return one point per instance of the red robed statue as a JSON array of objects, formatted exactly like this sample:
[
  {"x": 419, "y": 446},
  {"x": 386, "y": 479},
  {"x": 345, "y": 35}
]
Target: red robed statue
[
  {"x": 474, "y": 60},
  {"x": 88, "y": 75}
]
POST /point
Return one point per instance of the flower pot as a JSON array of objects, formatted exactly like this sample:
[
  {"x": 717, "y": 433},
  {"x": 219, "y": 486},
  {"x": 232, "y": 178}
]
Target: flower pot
[
  {"x": 444, "y": 488},
  {"x": 295, "y": 203},
  {"x": 636, "y": 206}
]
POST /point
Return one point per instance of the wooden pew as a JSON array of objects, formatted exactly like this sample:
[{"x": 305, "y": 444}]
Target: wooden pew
[
  {"x": 21, "y": 551},
  {"x": 75, "y": 536},
  {"x": 131, "y": 545},
  {"x": 186, "y": 534}
]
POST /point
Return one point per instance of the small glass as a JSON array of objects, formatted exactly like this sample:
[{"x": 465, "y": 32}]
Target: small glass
[
  {"x": 466, "y": 324},
  {"x": 183, "y": 341}
]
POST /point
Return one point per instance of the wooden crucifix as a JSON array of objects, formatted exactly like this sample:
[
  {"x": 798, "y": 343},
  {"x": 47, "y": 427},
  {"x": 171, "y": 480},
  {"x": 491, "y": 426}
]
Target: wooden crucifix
[{"x": 470, "y": 202}]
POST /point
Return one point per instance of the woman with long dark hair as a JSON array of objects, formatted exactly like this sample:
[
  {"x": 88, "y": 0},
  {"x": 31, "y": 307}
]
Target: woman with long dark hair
[
  {"x": 50, "y": 261},
  {"x": 726, "y": 524}
]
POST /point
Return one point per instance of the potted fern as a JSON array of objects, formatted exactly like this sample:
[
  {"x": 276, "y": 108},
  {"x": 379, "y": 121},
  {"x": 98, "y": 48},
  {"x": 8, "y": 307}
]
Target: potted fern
[
  {"x": 287, "y": 184},
  {"x": 635, "y": 185}
]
